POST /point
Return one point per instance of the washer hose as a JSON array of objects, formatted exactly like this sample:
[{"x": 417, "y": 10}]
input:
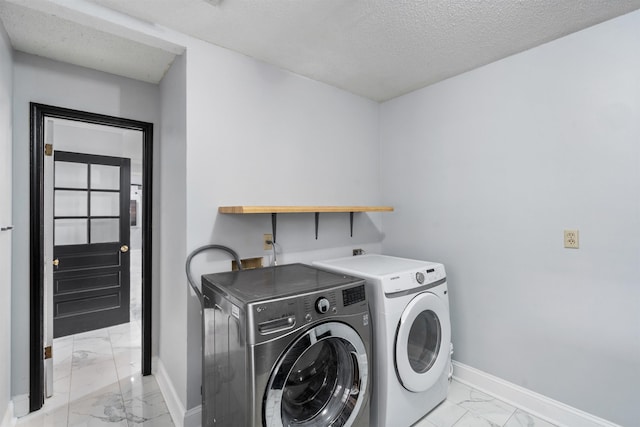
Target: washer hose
[{"x": 193, "y": 284}]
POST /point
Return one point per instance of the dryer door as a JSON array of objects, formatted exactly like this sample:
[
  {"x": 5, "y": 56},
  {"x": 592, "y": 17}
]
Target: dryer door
[
  {"x": 422, "y": 342},
  {"x": 321, "y": 379}
]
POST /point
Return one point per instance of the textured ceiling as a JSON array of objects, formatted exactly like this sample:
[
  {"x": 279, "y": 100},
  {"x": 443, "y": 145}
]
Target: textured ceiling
[
  {"x": 54, "y": 37},
  {"x": 375, "y": 48}
]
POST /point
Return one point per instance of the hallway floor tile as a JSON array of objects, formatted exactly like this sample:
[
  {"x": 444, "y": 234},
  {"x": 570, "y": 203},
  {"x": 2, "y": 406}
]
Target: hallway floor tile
[{"x": 97, "y": 382}]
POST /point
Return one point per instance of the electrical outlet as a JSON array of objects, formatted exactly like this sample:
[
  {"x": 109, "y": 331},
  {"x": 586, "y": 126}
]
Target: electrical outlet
[
  {"x": 268, "y": 238},
  {"x": 571, "y": 239}
]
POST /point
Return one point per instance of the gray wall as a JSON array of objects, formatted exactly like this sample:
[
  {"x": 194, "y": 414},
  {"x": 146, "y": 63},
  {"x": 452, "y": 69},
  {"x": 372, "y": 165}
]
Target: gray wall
[
  {"x": 260, "y": 135},
  {"x": 499, "y": 161},
  {"x": 54, "y": 83},
  {"x": 173, "y": 240},
  {"x": 6, "y": 96}
]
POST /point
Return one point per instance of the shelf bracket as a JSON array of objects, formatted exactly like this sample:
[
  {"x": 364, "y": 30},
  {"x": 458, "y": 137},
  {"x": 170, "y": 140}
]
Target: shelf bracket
[
  {"x": 274, "y": 221},
  {"x": 317, "y": 222},
  {"x": 351, "y": 221}
]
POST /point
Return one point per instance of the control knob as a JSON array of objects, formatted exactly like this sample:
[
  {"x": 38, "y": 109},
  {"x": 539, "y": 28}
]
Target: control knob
[
  {"x": 420, "y": 277},
  {"x": 322, "y": 305}
]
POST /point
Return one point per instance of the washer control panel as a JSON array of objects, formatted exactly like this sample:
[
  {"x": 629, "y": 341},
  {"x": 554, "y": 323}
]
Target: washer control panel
[
  {"x": 330, "y": 303},
  {"x": 279, "y": 316},
  {"x": 319, "y": 304},
  {"x": 322, "y": 305}
]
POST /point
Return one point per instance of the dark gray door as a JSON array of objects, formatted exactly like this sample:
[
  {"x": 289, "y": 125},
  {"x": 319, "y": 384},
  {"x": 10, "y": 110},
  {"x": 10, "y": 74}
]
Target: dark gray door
[{"x": 91, "y": 238}]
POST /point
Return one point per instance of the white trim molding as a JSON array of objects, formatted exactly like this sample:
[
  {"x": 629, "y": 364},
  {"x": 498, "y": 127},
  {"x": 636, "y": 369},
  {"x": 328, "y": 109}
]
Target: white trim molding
[
  {"x": 171, "y": 398},
  {"x": 180, "y": 416},
  {"x": 193, "y": 417},
  {"x": 20, "y": 405},
  {"x": 536, "y": 404},
  {"x": 8, "y": 420}
]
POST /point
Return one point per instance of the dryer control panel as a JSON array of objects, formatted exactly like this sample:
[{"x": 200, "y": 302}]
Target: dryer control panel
[
  {"x": 430, "y": 275},
  {"x": 387, "y": 273}
]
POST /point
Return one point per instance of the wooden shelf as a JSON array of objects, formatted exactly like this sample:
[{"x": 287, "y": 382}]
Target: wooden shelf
[
  {"x": 275, "y": 210},
  {"x": 300, "y": 209}
]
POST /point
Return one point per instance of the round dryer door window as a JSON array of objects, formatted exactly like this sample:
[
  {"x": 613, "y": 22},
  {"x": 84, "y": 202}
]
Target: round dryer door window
[
  {"x": 320, "y": 381},
  {"x": 422, "y": 342}
]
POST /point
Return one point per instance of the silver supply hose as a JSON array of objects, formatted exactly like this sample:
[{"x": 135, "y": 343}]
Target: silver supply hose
[
  {"x": 192, "y": 282},
  {"x": 273, "y": 247}
]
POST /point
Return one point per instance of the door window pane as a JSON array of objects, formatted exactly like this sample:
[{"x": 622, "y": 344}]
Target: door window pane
[
  {"x": 105, "y": 204},
  {"x": 424, "y": 341},
  {"x": 105, "y": 177},
  {"x": 105, "y": 230},
  {"x": 70, "y": 231},
  {"x": 70, "y": 175},
  {"x": 70, "y": 203}
]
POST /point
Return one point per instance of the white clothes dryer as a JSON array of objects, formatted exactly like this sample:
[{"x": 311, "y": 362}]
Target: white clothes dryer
[{"x": 412, "y": 334}]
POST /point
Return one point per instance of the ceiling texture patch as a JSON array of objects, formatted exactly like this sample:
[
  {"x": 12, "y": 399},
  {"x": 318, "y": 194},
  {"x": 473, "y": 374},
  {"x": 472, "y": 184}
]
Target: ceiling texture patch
[
  {"x": 378, "y": 49},
  {"x": 50, "y": 36}
]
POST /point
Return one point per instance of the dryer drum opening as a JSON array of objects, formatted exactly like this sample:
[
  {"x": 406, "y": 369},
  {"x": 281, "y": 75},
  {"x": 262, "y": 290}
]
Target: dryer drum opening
[{"x": 424, "y": 341}]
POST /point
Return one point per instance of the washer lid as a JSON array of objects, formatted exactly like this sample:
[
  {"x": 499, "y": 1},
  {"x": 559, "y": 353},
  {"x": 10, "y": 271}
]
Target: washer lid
[
  {"x": 274, "y": 282},
  {"x": 422, "y": 342}
]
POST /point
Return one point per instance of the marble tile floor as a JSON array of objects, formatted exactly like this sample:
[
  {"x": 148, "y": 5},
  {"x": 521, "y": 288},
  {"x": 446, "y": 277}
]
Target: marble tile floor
[
  {"x": 468, "y": 407},
  {"x": 97, "y": 382},
  {"x": 89, "y": 392}
]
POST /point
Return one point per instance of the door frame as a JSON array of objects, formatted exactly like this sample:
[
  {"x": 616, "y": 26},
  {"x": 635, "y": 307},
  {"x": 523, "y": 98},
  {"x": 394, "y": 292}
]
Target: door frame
[{"x": 38, "y": 113}]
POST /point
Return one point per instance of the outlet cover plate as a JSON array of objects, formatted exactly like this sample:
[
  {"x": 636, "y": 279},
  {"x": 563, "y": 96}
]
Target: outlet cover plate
[
  {"x": 571, "y": 239},
  {"x": 267, "y": 246}
]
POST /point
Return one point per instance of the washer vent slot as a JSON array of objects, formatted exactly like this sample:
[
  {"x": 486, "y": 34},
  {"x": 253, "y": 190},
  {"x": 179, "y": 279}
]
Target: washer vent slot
[{"x": 353, "y": 295}]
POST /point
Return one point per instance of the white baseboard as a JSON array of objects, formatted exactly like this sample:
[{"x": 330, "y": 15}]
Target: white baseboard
[
  {"x": 536, "y": 404},
  {"x": 20, "y": 405},
  {"x": 8, "y": 420},
  {"x": 193, "y": 417},
  {"x": 180, "y": 416},
  {"x": 171, "y": 398}
]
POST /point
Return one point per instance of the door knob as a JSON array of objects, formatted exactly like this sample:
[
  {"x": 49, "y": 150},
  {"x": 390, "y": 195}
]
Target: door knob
[
  {"x": 56, "y": 262},
  {"x": 124, "y": 248}
]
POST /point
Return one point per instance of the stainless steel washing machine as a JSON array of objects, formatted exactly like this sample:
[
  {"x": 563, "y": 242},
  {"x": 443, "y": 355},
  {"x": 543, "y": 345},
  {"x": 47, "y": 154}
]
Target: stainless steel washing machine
[{"x": 285, "y": 346}]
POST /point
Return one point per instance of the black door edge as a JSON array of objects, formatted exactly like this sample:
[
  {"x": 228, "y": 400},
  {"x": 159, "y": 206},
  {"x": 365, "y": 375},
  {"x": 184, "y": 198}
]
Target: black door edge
[{"x": 38, "y": 113}]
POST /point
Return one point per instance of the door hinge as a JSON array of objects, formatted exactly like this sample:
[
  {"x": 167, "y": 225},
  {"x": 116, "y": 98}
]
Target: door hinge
[
  {"x": 48, "y": 352},
  {"x": 48, "y": 149}
]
